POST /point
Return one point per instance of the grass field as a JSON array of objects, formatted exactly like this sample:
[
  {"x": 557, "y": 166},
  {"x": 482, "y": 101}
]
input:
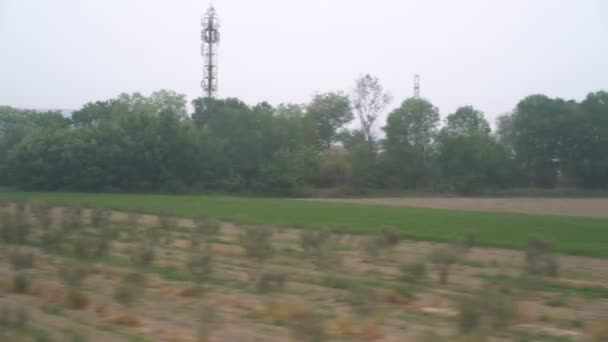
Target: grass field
[{"x": 571, "y": 235}]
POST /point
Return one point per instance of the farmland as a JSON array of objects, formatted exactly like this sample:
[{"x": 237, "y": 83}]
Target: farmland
[
  {"x": 100, "y": 275},
  {"x": 572, "y": 235}
]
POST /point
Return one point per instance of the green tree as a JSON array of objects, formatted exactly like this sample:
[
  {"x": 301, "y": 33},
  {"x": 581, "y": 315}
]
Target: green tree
[
  {"x": 541, "y": 135},
  {"x": 330, "y": 112},
  {"x": 468, "y": 156},
  {"x": 410, "y": 133}
]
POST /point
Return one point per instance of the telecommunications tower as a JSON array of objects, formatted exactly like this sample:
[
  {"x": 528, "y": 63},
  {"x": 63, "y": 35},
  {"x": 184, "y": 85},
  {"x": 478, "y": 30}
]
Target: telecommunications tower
[
  {"x": 417, "y": 86},
  {"x": 210, "y": 36}
]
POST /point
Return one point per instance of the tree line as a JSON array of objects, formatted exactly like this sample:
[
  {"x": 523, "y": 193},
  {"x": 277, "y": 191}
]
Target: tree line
[{"x": 152, "y": 143}]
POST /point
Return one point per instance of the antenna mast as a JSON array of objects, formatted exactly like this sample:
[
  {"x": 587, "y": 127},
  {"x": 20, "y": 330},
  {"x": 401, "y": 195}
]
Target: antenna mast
[
  {"x": 210, "y": 36},
  {"x": 417, "y": 86}
]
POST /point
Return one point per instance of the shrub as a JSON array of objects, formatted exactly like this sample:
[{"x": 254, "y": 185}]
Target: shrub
[
  {"x": 76, "y": 299},
  {"x": 43, "y": 214},
  {"x": 443, "y": 258},
  {"x": 306, "y": 324},
  {"x": 20, "y": 260},
  {"x": 73, "y": 274},
  {"x": 14, "y": 228},
  {"x": 201, "y": 267},
  {"x": 13, "y": 317},
  {"x": 319, "y": 247},
  {"x": 312, "y": 241},
  {"x": 207, "y": 321},
  {"x": 362, "y": 300},
  {"x": 21, "y": 283},
  {"x": 390, "y": 237},
  {"x": 414, "y": 272},
  {"x": 206, "y": 226},
  {"x": 100, "y": 217},
  {"x": 126, "y": 295},
  {"x": 71, "y": 218},
  {"x": 540, "y": 259},
  {"x": 142, "y": 255},
  {"x": 51, "y": 238},
  {"x": 131, "y": 288},
  {"x": 256, "y": 241},
  {"x": 88, "y": 247},
  {"x": 271, "y": 282},
  {"x": 489, "y": 308},
  {"x": 470, "y": 240}
]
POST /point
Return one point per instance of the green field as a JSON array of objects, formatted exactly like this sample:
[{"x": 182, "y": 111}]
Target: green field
[{"x": 572, "y": 235}]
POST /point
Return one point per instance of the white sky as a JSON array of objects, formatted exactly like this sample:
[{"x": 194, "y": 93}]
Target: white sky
[{"x": 490, "y": 54}]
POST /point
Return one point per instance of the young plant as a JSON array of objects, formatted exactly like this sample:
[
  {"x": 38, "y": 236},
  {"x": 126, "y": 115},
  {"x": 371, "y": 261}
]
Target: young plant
[
  {"x": 208, "y": 320},
  {"x": 43, "y": 215},
  {"x": 319, "y": 246},
  {"x": 362, "y": 300},
  {"x": 383, "y": 243},
  {"x": 100, "y": 218},
  {"x": 20, "y": 283},
  {"x": 443, "y": 258},
  {"x": 20, "y": 259},
  {"x": 491, "y": 308},
  {"x": 130, "y": 290},
  {"x": 257, "y": 245},
  {"x": 540, "y": 259},
  {"x": 271, "y": 282},
  {"x": 414, "y": 272},
  {"x": 200, "y": 267},
  {"x": 142, "y": 255},
  {"x": 73, "y": 274},
  {"x": 71, "y": 218}
]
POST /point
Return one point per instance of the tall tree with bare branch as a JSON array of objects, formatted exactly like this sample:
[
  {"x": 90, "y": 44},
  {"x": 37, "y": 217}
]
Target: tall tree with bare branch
[{"x": 369, "y": 99}]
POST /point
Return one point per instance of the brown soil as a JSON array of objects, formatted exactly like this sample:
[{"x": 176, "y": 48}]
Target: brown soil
[
  {"x": 169, "y": 309},
  {"x": 588, "y": 207}
]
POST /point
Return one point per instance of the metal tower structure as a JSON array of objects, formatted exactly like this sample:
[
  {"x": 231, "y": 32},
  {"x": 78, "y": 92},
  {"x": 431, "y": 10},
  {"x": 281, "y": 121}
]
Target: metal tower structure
[
  {"x": 210, "y": 37},
  {"x": 417, "y": 86}
]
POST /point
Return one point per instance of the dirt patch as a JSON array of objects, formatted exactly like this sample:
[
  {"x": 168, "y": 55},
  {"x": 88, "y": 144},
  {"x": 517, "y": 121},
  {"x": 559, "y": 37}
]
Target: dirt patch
[{"x": 586, "y": 207}]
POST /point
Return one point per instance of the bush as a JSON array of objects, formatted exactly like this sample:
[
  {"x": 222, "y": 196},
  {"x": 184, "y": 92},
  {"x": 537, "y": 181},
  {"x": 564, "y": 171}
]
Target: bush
[
  {"x": 71, "y": 218},
  {"x": 43, "y": 214},
  {"x": 73, "y": 274},
  {"x": 142, "y": 255},
  {"x": 414, "y": 272},
  {"x": 271, "y": 282},
  {"x": 540, "y": 259},
  {"x": 76, "y": 299},
  {"x": 51, "y": 238},
  {"x": 89, "y": 247},
  {"x": 21, "y": 283},
  {"x": 362, "y": 300},
  {"x": 126, "y": 295},
  {"x": 14, "y": 228},
  {"x": 13, "y": 317},
  {"x": 20, "y": 260},
  {"x": 470, "y": 240},
  {"x": 390, "y": 237},
  {"x": 490, "y": 308},
  {"x": 444, "y": 258},
  {"x": 306, "y": 324},
  {"x": 204, "y": 230},
  {"x": 100, "y": 218},
  {"x": 256, "y": 241},
  {"x": 201, "y": 267},
  {"x": 208, "y": 320}
]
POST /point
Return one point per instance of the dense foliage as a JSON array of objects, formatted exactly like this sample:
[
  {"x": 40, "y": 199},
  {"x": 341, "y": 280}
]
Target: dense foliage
[{"x": 139, "y": 143}]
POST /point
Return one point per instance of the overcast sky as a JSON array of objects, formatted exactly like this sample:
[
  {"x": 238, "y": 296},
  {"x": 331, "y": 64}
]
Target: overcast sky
[{"x": 490, "y": 54}]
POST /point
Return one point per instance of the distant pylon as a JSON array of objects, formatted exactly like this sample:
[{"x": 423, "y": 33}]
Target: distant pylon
[
  {"x": 210, "y": 37},
  {"x": 417, "y": 86}
]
